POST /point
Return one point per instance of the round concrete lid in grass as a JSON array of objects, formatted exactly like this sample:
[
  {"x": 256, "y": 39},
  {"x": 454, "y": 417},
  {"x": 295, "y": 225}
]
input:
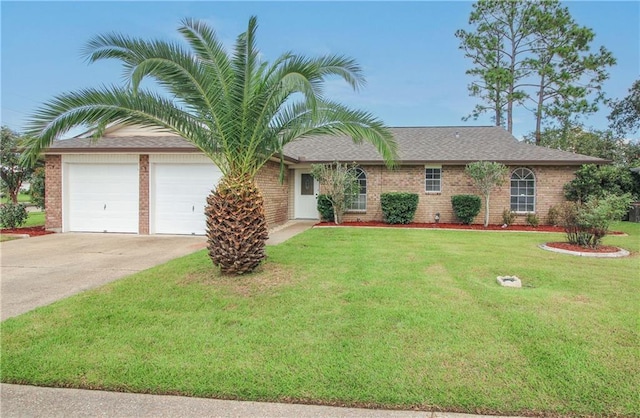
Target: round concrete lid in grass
[{"x": 509, "y": 281}]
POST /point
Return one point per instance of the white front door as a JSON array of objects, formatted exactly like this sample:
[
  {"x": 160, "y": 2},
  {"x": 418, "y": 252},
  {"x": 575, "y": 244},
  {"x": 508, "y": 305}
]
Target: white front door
[
  {"x": 306, "y": 194},
  {"x": 102, "y": 197},
  {"x": 179, "y": 195}
]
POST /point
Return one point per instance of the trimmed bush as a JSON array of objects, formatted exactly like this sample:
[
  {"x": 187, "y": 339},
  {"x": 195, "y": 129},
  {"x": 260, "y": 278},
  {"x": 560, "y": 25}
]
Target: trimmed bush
[
  {"x": 508, "y": 217},
  {"x": 466, "y": 207},
  {"x": 13, "y": 215},
  {"x": 325, "y": 208},
  {"x": 533, "y": 220},
  {"x": 553, "y": 216},
  {"x": 398, "y": 208}
]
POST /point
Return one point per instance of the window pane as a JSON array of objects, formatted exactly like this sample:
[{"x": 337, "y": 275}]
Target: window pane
[
  {"x": 360, "y": 202},
  {"x": 433, "y": 179},
  {"x": 306, "y": 184}
]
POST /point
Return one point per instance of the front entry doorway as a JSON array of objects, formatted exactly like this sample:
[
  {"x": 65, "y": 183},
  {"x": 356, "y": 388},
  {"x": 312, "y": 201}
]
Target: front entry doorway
[{"x": 306, "y": 194}]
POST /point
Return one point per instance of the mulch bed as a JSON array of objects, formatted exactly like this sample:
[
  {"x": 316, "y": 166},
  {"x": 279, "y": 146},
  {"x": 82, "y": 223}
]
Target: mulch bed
[
  {"x": 580, "y": 249},
  {"x": 479, "y": 227},
  {"x": 33, "y": 231}
]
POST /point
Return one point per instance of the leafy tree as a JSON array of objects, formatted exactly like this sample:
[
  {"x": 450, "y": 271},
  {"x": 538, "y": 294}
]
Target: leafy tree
[
  {"x": 595, "y": 143},
  {"x": 567, "y": 73},
  {"x": 625, "y": 113},
  {"x": 594, "y": 181},
  {"x": 532, "y": 54},
  {"x": 498, "y": 48},
  {"x": 12, "y": 171},
  {"x": 486, "y": 176},
  {"x": 235, "y": 108},
  {"x": 340, "y": 185}
]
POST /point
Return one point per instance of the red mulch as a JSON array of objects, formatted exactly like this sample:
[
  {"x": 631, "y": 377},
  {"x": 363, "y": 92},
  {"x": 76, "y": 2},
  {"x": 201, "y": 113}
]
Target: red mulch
[
  {"x": 578, "y": 248},
  {"x": 541, "y": 228},
  {"x": 33, "y": 231}
]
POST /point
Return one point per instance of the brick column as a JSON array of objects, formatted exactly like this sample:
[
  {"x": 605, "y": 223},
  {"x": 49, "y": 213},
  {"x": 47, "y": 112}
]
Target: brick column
[
  {"x": 143, "y": 205},
  {"x": 53, "y": 193}
]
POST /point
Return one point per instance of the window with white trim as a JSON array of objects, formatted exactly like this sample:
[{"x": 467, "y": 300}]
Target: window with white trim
[
  {"x": 433, "y": 179},
  {"x": 523, "y": 191},
  {"x": 360, "y": 203}
]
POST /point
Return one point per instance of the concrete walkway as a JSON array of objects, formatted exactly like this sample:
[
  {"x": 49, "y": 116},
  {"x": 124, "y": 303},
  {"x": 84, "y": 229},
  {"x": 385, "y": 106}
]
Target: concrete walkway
[
  {"x": 29, "y": 401},
  {"x": 281, "y": 233}
]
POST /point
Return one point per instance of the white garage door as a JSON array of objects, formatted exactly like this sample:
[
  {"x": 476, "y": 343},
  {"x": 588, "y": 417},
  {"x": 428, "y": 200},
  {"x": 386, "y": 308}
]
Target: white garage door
[
  {"x": 102, "y": 197},
  {"x": 179, "y": 194}
]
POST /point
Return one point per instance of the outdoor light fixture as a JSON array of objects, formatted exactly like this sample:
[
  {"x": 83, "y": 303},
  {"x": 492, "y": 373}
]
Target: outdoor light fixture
[{"x": 437, "y": 217}]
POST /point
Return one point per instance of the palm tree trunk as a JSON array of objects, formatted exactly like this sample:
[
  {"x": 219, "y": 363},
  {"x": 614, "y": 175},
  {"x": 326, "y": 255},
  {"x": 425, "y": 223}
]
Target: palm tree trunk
[{"x": 236, "y": 225}]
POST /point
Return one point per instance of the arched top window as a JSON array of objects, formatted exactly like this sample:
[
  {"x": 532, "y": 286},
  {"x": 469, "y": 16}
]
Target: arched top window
[
  {"x": 360, "y": 203},
  {"x": 523, "y": 191}
]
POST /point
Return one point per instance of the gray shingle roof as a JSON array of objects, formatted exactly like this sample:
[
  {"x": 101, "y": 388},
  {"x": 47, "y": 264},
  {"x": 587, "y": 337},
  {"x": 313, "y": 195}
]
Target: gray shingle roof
[
  {"x": 436, "y": 145},
  {"x": 454, "y": 145},
  {"x": 120, "y": 144}
]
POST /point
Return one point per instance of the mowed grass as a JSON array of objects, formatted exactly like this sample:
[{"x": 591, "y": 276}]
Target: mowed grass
[{"x": 354, "y": 316}]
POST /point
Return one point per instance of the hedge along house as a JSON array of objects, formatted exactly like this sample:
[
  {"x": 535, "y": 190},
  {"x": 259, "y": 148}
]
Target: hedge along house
[{"x": 137, "y": 180}]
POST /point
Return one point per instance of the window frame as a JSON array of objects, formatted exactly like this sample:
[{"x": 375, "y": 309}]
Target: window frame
[
  {"x": 528, "y": 177},
  {"x": 433, "y": 179},
  {"x": 362, "y": 197}
]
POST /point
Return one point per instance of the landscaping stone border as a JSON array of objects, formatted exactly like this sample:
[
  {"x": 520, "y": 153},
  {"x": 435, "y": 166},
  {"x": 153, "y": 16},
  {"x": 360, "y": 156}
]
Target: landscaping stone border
[{"x": 621, "y": 253}]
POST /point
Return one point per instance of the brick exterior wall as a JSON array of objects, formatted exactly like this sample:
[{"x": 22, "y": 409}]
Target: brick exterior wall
[
  {"x": 549, "y": 183},
  {"x": 279, "y": 197},
  {"x": 275, "y": 194},
  {"x": 143, "y": 195},
  {"x": 53, "y": 193}
]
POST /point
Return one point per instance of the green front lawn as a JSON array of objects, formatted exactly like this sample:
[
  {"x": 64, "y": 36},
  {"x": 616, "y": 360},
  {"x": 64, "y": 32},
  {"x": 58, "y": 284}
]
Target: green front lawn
[
  {"x": 34, "y": 219},
  {"x": 372, "y": 317}
]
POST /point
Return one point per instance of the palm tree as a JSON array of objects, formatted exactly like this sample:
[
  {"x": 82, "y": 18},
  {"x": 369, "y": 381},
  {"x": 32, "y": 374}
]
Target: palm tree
[{"x": 238, "y": 110}]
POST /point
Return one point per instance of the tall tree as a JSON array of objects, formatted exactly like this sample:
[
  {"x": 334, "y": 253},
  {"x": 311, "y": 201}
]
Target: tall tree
[
  {"x": 13, "y": 172},
  {"x": 237, "y": 110},
  {"x": 532, "y": 54},
  {"x": 625, "y": 113},
  {"x": 497, "y": 48},
  {"x": 567, "y": 75}
]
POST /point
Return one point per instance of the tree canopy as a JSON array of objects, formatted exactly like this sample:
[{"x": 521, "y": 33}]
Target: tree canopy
[{"x": 535, "y": 56}]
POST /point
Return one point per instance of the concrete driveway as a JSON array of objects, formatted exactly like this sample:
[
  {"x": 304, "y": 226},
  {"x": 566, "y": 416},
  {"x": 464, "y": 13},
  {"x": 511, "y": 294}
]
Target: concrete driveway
[{"x": 40, "y": 270}]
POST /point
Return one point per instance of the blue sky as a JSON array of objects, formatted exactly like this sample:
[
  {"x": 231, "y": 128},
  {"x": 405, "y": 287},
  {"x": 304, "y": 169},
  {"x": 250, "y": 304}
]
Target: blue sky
[{"x": 414, "y": 69}]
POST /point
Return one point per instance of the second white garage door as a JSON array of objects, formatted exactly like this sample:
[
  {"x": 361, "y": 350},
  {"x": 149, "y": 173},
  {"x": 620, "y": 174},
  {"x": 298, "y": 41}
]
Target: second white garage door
[{"x": 179, "y": 195}]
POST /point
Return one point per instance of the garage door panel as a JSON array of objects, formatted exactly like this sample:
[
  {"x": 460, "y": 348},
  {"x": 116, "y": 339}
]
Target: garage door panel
[
  {"x": 103, "y": 197},
  {"x": 180, "y": 197}
]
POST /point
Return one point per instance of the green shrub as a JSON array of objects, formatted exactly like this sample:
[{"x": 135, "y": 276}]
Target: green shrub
[
  {"x": 13, "y": 215},
  {"x": 553, "y": 216},
  {"x": 398, "y": 208},
  {"x": 508, "y": 217},
  {"x": 533, "y": 220},
  {"x": 587, "y": 223},
  {"x": 466, "y": 207},
  {"x": 325, "y": 208}
]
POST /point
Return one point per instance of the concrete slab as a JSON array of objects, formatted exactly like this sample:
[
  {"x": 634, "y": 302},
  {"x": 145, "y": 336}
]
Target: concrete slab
[
  {"x": 38, "y": 271},
  {"x": 285, "y": 231},
  {"x": 29, "y": 401}
]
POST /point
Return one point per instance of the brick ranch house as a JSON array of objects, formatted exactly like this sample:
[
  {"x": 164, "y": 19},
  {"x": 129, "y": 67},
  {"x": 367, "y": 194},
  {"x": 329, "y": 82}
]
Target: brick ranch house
[{"x": 135, "y": 180}]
